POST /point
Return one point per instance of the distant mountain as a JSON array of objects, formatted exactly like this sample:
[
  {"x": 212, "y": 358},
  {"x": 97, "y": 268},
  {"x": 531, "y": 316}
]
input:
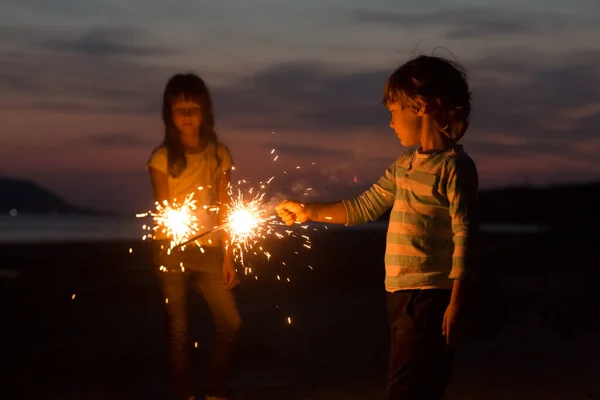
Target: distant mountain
[
  {"x": 29, "y": 197},
  {"x": 567, "y": 205}
]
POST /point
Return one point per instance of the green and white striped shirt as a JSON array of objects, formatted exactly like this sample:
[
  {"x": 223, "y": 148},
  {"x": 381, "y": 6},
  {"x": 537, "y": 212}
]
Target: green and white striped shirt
[{"x": 433, "y": 231}]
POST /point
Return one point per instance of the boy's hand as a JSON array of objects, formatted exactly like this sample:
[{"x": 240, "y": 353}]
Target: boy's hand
[
  {"x": 451, "y": 324},
  {"x": 291, "y": 211}
]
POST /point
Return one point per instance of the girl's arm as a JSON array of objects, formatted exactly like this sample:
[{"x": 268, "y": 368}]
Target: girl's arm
[
  {"x": 224, "y": 199},
  {"x": 160, "y": 188},
  {"x": 160, "y": 185}
]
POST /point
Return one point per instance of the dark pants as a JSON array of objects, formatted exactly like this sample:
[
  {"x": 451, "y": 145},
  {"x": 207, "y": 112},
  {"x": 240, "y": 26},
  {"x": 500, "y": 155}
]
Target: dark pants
[
  {"x": 210, "y": 284},
  {"x": 420, "y": 361}
]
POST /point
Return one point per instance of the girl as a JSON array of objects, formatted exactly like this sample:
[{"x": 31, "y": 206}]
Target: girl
[{"x": 191, "y": 160}]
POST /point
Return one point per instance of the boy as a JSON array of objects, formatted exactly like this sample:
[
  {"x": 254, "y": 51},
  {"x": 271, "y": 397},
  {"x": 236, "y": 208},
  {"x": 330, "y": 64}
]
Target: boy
[{"x": 431, "y": 245}]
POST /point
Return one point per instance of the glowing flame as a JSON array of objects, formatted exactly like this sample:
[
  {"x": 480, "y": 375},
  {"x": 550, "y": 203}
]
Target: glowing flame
[
  {"x": 177, "y": 221},
  {"x": 249, "y": 219},
  {"x": 247, "y": 222}
]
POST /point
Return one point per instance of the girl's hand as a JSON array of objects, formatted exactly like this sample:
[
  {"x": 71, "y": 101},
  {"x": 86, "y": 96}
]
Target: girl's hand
[
  {"x": 291, "y": 212},
  {"x": 229, "y": 274}
]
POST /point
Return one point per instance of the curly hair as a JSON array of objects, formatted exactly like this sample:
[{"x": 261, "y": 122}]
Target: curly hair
[{"x": 437, "y": 85}]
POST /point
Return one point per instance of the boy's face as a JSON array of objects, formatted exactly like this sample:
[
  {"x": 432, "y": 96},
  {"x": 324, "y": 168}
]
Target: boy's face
[{"x": 406, "y": 124}]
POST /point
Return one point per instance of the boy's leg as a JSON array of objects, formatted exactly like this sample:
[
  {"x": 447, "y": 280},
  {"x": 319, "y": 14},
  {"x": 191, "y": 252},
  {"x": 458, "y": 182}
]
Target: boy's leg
[
  {"x": 221, "y": 303},
  {"x": 174, "y": 288},
  {"x": 420, "y": 360}
]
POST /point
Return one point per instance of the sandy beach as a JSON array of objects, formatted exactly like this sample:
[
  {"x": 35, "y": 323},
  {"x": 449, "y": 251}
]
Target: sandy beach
[{"x": 84, "y": 321}]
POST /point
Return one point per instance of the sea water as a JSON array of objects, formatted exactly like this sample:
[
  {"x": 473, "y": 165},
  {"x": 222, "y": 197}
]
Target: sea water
[{"x": 73, "y": 228}]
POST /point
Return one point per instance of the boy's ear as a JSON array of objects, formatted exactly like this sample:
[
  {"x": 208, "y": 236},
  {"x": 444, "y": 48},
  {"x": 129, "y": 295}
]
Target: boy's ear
[{"x": 421, "y": 111}]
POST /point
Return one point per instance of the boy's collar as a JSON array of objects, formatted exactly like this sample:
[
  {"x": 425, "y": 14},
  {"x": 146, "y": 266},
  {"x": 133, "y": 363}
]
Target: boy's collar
[{"x": 419, "y": 151}]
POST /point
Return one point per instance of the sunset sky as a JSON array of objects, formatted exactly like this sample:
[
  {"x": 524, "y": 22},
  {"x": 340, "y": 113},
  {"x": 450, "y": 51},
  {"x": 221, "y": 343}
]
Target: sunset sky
[{"x": 81, "y": 81}]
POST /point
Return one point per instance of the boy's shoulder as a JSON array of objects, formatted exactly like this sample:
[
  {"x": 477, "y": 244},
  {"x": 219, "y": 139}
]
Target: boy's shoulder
[
  {"x": 458, "y": 153},
  {"x": 458, "y": 158}
]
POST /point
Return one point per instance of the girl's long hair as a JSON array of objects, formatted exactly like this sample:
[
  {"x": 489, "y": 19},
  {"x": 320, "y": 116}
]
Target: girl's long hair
[{"x": 192, "y": 88}]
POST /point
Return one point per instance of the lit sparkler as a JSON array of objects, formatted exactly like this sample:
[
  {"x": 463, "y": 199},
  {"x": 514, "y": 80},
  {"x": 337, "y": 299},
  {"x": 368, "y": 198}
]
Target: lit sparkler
[
  {"x": 247, "y": 222},
  {"x": 176, "y": 221}
]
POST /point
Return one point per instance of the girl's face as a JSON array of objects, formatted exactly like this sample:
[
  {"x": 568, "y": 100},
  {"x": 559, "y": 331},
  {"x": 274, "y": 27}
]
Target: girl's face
[
  {"x": 187, "y": 116},
  {"x": 406, "y": 124}
]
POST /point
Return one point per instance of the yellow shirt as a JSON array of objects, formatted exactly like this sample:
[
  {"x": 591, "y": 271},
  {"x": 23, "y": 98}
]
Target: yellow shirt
[{"x": 200, "y": 177}]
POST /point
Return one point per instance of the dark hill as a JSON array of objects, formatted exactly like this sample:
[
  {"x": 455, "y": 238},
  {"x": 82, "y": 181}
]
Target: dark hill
[
  {"x": 29, "y": 197},
  {"x": 557, "y": 206},
  {"x": 569, "y": 205}
]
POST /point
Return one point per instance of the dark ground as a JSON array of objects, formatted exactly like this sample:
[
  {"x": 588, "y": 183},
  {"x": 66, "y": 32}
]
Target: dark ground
[{"x": 537, "y": 319}]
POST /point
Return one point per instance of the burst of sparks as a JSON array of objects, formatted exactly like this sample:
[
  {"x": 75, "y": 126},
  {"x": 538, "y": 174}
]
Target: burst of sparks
[
  {"x": 250, "y": 220},
  {"x": 247, "y": 222},
  {"x": 177, "y": 221}
]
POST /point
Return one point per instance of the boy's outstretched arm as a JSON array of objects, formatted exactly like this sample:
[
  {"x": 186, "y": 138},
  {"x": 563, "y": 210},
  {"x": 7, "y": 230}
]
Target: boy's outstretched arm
[
  {"x": 293, "y": 211},
  {"x": 365, "y": 207}
]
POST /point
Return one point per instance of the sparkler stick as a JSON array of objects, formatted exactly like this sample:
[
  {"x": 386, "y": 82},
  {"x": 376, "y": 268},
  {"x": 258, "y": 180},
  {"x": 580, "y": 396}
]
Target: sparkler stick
[
  {"x": 216, "y": 229},
  {"x": 249, "y": 220},
  {"x": 199, "y": 236}
]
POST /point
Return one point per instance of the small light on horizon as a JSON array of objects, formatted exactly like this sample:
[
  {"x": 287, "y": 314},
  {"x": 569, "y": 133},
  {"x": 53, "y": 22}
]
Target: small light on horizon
[{"x": 13, "y": 212}]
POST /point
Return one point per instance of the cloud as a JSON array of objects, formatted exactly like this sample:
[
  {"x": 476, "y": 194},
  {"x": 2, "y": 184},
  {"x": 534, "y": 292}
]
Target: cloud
[
  {"x": 114, "y": 41},
  {"x": 501, "y": 139},
  {"x": 118, "y": 139},
  {"x": 536, "y": 168},
  {"x": 306, "y": 95},
  {"x": 476, "y": 22},
  {"x": 589, "y": 147},
  {"x": 101, "y": 72},
  {"x": 307, "y": 150},
  {"x": 479, "y": 29},
  {"x": 525, "y": 102},
  {"x": 590, "y": 110},
  {"x": 536, "y": 98},
  {"x": 516, "y": 92}
]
